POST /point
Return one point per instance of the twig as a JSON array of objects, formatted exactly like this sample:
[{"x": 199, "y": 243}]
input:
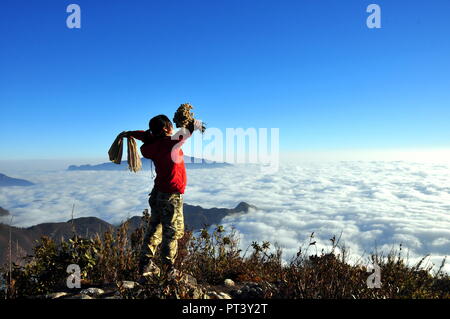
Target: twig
[{"x": 10, "y": 253}]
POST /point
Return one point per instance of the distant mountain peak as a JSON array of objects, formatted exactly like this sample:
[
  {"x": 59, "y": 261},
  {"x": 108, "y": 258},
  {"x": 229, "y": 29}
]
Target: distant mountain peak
[
  {"x": 79, "y": 220},
  {"x": 10, "y": 181},
  {"x": 189, "y": 161},
  {"x": 244, "y": 207},
  {"x": 195, "y": 218},
  {"x": 3, "y": 212}
]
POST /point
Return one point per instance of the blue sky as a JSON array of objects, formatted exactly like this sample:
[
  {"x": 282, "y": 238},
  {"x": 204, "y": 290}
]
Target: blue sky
[{"x": 311, "y": 68}]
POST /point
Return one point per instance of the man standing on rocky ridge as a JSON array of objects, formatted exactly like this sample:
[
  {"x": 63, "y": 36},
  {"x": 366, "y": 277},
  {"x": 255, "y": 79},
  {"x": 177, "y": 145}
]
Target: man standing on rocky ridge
[{"x": 166, "y": 225}]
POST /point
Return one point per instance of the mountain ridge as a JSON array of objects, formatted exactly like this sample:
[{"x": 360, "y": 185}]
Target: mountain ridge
[
  {"x": 190, "y": 163},
  {"x": 6, "y": 181},
  {"x": 24, "y": 239},
  {"x": 3, "y": 212}
]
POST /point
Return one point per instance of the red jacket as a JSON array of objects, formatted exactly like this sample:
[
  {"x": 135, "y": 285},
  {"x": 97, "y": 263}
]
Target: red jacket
[{"x": 167, "y": 156}]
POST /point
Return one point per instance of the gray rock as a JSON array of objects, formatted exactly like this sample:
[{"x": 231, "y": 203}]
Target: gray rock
[
  {"x": 126, "y": 284},
  {"x": 212, "y": 295},
  {"x": 217, "y": 295},
  {"x": 224, "y": 295},
  {"x": 229, "y": 283},
  {"x": 255, "y": 290},
  {"x": 92, "y": 291},
  {"x": 80, "y": 296},
  {"x": 56, "y": 295}
]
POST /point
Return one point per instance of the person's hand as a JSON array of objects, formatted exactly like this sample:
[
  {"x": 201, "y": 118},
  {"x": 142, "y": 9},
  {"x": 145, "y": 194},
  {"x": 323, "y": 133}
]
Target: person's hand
[{"x": 198, "y": 125}]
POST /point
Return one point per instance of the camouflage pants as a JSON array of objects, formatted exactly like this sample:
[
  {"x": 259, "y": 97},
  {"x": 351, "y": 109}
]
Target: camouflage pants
[{"x": 165, "y": 227}]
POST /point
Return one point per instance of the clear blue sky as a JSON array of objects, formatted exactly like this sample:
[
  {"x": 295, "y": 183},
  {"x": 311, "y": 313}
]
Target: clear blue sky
[{"x": 311, "y": 68}]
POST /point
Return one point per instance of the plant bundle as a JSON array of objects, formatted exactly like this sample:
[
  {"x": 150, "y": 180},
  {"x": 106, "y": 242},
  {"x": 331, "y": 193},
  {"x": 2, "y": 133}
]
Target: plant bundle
[{"x": 184, "y": 117}]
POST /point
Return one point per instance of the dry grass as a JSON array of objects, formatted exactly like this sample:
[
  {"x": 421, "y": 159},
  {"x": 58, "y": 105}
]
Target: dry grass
[
  {"x": 213, "y": 257},
  {"x": 183, "y": 116}
]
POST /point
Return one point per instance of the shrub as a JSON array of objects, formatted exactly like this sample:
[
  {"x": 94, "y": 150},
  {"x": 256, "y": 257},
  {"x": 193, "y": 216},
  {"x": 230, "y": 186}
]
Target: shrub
[{"x": 213, "y": 257}]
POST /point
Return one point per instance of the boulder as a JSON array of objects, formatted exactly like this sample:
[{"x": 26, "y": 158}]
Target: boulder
[
  {"x": 217, "y": 295},
  {"x": 56, "y": 295},
  {"x": 126, "y": 284},
  {"x": 229, "y": 283},
  {"x": 92, "y": 291},
  {"x": 79, "y": 296}
]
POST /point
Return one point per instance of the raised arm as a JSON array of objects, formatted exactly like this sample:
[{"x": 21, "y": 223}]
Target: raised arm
[
  {"x": 184, "y": 133},
  {"x": 194, "y": 126},
  {"x": 143, "y": 136}
]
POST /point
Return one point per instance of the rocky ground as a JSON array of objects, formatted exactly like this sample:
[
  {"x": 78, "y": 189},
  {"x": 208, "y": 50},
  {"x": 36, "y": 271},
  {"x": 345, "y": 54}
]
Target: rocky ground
[{"x": 134, "y": 290}]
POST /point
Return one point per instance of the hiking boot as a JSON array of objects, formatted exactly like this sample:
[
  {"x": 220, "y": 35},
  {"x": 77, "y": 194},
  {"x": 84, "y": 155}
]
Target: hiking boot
[
  {"x": 179, "y": 276},
  {"x": 151, "y": 269}
]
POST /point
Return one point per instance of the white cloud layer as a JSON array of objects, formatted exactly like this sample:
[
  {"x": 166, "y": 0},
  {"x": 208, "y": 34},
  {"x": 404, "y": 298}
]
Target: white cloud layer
[{"x": 373, "y": 204}]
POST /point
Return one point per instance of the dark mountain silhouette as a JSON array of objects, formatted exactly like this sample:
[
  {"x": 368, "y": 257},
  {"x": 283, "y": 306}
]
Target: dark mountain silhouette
[
  {"x": 196, "y": 217},
  {"x": 9, "y": 181},
  {"x": 190, "y": 163},
  {"x": 24, "y": 239},
  {"x": 83, "y": 226},
  {"x": 3, "y": 212}
]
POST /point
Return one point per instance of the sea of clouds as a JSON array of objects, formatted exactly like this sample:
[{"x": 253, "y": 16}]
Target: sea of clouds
[{"x": 374, "y": 205}]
